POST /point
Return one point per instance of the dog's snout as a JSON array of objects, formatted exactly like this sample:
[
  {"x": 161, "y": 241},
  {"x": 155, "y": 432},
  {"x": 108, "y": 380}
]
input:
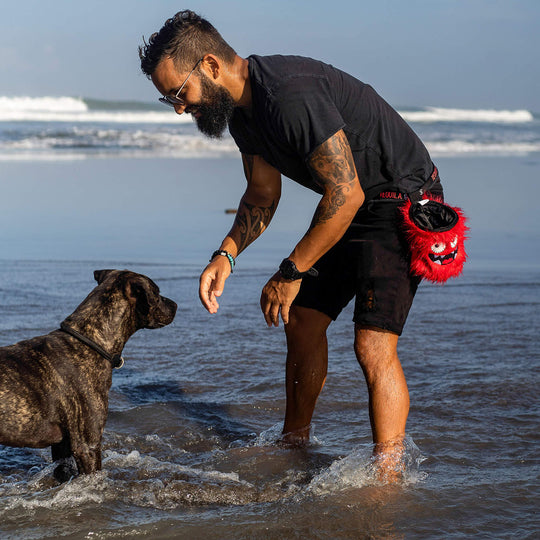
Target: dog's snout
[
  {"x": 163, "y": 314},
  {"x": 171, "y": 305}
]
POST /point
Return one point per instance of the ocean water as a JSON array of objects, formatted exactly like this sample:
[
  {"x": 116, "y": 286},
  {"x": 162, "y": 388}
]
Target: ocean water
[
  {"x": 194, "y": 414},
  {"x": 75, "y": 128}
]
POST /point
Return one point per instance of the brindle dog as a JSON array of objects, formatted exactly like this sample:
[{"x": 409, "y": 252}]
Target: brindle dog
[{"x": 54, "y": 389}]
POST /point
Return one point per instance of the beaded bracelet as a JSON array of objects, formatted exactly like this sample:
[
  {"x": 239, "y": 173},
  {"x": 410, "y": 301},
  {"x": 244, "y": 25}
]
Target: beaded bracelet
[{"x": 232, "y": 262}]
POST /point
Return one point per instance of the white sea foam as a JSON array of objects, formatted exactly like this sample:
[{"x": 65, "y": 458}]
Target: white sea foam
[
  {"x": 69, "y": 109},
  {"x": 463, "y": 148},
  {"x": 78, "y": 492},
  {"x": 80, "y": 142},
  {"x": 439, "y": 114},
  {"x": 113, "y": 117},
  {"x": 72, "y": 109},
  {"x": 68, "y": 128},
  {"x": 42, "y": 104},
  {"x": 359, "y": 469},
  {"x": 42, "y": 156},
  {"x": 155, "y": 466},
  {"x": 196, "y": 147}
]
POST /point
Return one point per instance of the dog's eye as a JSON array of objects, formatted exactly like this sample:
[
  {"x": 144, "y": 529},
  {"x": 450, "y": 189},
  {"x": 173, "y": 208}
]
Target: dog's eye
[{"x": 439, "y": 247}]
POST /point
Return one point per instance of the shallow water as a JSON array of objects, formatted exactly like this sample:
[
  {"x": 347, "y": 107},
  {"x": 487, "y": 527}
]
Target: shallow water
[
  {"x": 188, "y": 449},
  {"x": 189, "y": 444}
]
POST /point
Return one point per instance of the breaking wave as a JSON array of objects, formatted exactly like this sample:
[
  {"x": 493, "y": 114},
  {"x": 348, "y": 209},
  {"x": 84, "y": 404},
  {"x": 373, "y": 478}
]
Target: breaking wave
[
  {"x": 73, "y": 109},
  {"x": 492, "y": 116},
  {"x": 71, "y": 128},
  {"x": 70, "y": 109}
]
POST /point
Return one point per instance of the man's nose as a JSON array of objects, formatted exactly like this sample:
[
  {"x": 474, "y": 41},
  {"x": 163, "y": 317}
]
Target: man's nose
[{"x": 179, "y": 109}]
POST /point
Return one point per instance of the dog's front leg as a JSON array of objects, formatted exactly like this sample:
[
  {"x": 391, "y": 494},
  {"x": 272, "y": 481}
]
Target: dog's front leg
[
  {"x": 62, "y": 452},
  {"x": 88, "y": 458}
]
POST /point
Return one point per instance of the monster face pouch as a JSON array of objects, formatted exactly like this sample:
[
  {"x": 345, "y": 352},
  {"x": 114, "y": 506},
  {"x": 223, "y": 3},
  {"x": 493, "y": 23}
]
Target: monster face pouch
[{"x": 436, "y": 233}]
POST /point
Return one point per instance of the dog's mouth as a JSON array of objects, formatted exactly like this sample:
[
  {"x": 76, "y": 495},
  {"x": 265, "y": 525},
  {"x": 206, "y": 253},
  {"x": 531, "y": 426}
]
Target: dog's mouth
[
  {"x": 162, "y": 315},
  {"x": 158, "y": 324}
]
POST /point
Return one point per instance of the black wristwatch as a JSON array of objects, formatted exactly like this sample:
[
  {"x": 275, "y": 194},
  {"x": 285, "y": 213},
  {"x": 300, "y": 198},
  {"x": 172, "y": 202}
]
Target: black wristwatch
[{"x": 288, "y": 270}]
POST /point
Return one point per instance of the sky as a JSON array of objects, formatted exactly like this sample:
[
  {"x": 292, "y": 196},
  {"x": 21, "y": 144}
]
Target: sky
[{"x": 444, "y": 53}]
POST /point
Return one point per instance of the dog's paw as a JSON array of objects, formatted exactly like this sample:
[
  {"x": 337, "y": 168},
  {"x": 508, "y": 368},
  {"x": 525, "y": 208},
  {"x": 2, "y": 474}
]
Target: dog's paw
[{"x": 65, "y": 470}]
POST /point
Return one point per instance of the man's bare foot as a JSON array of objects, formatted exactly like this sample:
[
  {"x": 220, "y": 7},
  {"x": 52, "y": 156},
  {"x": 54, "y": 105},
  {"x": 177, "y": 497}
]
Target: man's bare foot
[
  {"x": 388, "y": 461},
  {"x": 296, "y": 438}
]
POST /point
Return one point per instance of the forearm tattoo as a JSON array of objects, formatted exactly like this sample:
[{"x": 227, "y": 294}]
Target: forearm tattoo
[
  {"x": 332, "y": 167},
  {"x": 251, "y": 221}
]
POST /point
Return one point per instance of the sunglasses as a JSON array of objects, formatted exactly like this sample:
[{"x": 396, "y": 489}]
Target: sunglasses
[{"x": 176, "y": 99}]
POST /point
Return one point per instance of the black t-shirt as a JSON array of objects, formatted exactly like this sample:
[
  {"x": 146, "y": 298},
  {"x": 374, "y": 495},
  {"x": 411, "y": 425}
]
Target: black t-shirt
[{"x": 298, "y": 103}]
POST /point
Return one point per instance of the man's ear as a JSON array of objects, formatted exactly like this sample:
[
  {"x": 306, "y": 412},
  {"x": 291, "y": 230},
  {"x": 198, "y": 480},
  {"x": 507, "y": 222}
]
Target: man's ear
[
  {"x": 212, "y": 65},
  {"x": 100, "y": 275}
]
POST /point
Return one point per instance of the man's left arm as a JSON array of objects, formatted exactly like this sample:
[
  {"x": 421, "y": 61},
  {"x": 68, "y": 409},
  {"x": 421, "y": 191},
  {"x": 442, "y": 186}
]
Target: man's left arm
[{"x": 332, "y": 167}]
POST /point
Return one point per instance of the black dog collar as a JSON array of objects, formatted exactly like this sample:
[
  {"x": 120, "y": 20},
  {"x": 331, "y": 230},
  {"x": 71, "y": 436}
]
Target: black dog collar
[{"x": 116, "y": 360}]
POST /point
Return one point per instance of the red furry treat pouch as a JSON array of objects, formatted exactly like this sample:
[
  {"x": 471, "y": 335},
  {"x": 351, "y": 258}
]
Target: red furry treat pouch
[{"x": 436, "y": 233}]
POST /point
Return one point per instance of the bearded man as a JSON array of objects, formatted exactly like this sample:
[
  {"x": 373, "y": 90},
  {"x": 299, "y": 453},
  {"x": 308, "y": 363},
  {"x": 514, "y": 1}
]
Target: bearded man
[{"x": 335, "y": 135}]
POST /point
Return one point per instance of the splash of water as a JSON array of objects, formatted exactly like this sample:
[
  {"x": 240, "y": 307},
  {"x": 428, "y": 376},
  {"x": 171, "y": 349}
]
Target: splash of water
[{"x": 362, "y": 468}]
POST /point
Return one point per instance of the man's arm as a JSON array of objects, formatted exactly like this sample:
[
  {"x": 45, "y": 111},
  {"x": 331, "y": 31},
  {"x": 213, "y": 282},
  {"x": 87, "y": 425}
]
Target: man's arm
[
  {"x": 257, "y": 205},
  {"x": 332, "y": 167},
  {"x": 254, "y": 214}
]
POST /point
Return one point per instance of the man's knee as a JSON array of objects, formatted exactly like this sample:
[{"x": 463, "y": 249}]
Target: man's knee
[
  {"x": 375, "y": 349},
  {"x": 306, "y": 324}
]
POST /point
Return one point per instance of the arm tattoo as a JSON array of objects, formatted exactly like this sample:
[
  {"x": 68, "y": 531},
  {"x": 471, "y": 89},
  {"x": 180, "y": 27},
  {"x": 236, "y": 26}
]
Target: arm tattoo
[
  {"x": 252, "y": 221},
  {"x": 332, "y": 167}
]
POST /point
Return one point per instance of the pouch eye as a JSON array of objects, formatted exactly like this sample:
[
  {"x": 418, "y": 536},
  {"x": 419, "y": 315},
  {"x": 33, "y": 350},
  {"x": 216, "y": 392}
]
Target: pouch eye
[{"x": 439, "y": 247}]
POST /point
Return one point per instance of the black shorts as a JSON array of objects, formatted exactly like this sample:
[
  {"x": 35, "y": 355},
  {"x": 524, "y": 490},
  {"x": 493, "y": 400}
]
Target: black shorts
[{"x": 371, "y": 263}]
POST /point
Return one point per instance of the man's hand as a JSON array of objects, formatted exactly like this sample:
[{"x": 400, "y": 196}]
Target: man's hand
[
  {"x": 212, "y": 282},
  {"x": 277, "y": 296}
]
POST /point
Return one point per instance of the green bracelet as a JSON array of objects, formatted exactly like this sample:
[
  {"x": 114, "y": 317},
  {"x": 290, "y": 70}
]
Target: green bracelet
[{"x": 232, "y": 262}]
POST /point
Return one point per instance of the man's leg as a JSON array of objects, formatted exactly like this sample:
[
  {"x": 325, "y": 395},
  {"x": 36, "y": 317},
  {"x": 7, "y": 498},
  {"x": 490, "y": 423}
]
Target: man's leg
[
  {"x": 376, "y": 351},
  {"x": 307, "y": 363}
]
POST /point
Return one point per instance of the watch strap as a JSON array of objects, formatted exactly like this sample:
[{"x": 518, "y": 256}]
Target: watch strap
[{"x": 288, "y": 270}]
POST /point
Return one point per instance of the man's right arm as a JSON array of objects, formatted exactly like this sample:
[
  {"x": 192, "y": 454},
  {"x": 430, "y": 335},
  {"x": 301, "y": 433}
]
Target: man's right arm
[
  {"x": 257, "y": 205},
  {"x": 253, "y": 216}
]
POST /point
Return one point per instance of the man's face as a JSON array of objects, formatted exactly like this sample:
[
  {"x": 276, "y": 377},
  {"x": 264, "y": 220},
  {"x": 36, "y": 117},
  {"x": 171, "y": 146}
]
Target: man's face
[{"x": 210, "y": 104}]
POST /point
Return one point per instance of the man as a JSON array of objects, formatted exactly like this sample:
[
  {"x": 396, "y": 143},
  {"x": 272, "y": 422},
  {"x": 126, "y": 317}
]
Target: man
[{"x": 321, "y": 127}]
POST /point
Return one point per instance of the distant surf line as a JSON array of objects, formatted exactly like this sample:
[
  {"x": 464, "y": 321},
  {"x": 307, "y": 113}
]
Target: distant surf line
[{"x": 73, "y": 109}]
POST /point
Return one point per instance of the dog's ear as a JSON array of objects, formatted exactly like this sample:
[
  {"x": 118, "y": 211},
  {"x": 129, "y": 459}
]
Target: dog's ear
[
  {"x": 100, "y": 275},
  {"x": 139, "y": 294}
]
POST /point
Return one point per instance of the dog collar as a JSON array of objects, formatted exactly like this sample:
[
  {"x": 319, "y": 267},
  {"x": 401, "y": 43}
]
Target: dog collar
[{"x": 116, "y": 360}]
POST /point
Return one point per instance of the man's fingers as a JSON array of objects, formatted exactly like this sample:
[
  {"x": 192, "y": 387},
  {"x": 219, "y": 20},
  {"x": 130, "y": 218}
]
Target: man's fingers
[
  {"x": 207, "y": 294},
  {"x": 270, "y": 312},
  {"x": 285, "y": 313},
  {"x": 276, "y": 297},
  {"x": 218, "y": 285},
  {"x": 212, "y": 283},
  {"x": 274, "y": 314}
]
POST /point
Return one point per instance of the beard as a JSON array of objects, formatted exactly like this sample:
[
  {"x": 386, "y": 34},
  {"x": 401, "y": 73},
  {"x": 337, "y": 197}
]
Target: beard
[{"x": 215, "y": 110}]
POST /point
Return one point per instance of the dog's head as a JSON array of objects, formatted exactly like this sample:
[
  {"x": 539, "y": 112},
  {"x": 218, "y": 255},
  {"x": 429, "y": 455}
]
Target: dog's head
[{"x": 150, "y": 308}]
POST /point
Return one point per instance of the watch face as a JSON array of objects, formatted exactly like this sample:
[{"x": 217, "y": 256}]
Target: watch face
[{"x": 288, "y": 270}]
